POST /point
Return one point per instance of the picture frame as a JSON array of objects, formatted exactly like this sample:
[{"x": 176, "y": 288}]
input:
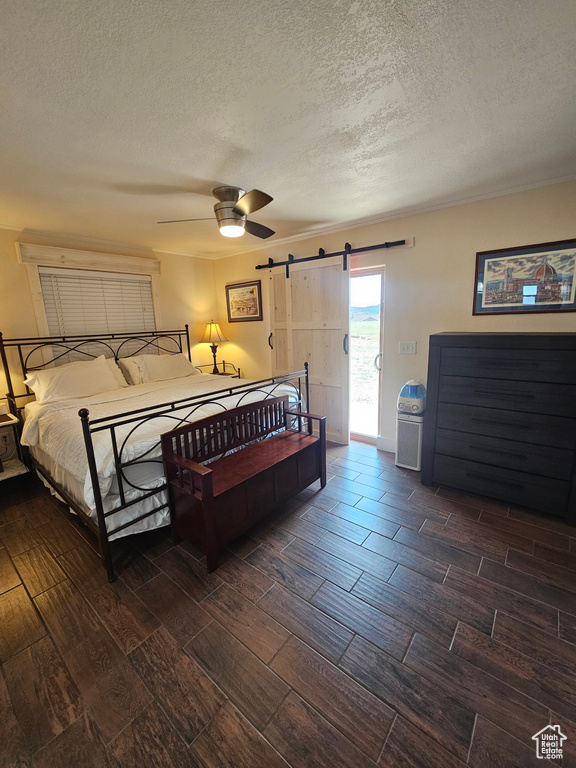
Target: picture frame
[
  {"x": 528, "y": 279},
  {"x": 244, "y": 302}
]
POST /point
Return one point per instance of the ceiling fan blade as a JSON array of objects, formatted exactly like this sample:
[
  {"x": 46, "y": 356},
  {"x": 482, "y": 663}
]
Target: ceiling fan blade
[
  {"x": 252, "y": 201},
  {"x": 258, "y": 229},
  {"x": 177, "y": 221}
]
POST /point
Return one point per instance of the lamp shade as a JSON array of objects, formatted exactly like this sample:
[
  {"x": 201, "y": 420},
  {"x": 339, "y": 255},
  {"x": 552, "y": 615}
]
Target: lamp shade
[{"x": 212, "y": 334}]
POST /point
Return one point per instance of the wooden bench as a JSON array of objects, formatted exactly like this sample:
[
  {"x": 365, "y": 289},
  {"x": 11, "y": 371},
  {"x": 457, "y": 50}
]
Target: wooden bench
[{"x": 212, "y": 505}]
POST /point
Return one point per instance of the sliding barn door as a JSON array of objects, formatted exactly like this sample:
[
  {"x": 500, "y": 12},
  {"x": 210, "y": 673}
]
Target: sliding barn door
[{"x": 310, "y": 319}]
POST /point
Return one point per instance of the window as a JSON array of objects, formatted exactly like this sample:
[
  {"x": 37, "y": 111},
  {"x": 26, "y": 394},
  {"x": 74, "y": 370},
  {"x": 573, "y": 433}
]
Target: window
[{"x": 83, "y": 302}]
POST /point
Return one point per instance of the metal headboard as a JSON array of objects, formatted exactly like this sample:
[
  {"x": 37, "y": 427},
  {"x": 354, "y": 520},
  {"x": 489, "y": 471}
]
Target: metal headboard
[{"x": 36, "y": 353}]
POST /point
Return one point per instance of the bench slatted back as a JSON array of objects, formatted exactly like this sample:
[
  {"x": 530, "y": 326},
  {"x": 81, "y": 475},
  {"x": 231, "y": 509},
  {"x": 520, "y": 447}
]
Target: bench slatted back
[{"x": 216, "y": 435}]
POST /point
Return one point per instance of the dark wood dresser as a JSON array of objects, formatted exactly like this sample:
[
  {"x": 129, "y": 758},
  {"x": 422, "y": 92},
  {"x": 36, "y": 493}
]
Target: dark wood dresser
[{"x": 501, "y": 418}]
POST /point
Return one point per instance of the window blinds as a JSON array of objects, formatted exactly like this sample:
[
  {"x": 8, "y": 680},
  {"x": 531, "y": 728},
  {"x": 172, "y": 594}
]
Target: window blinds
[{"x": 79, "y": 302}]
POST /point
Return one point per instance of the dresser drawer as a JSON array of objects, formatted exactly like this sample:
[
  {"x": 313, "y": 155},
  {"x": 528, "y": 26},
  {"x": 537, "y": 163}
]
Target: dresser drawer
[
  {"x": 525, "y": 396},
  {"x": 544, "y": 365},
  {"x": 554, "y": 431},
  {"x": 510, "y": 454},
  {"x": 545, "y": 494}
]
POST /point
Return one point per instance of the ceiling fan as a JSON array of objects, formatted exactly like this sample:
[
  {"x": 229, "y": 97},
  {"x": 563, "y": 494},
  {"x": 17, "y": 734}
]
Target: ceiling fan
[{"x": 232, "y": 210}]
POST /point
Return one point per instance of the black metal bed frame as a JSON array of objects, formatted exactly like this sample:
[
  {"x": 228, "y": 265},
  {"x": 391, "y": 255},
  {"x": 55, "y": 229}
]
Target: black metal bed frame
[{"x": 181, "y": 411}]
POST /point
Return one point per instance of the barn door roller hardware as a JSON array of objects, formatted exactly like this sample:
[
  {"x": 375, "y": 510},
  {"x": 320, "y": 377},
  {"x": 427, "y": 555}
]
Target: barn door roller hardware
[{"x": 323, "y": 255}]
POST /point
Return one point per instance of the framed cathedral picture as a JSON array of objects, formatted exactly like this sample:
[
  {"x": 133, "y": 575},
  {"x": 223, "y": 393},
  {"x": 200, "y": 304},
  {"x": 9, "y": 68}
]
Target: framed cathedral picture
[
  {"x": 531, "y": 278},
  {"x": 244, "y": 301}
]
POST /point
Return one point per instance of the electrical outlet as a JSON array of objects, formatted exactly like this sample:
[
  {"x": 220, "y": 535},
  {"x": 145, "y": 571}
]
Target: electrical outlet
[{"x": 407, "y": 347}]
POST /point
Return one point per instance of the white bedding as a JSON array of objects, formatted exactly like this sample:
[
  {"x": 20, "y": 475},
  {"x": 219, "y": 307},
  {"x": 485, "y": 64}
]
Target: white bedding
[{"x": 55, "y": 430}]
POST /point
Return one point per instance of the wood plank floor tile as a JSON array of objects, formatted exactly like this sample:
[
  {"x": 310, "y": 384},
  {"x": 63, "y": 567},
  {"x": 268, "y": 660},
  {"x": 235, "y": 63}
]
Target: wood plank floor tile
[
  {"x": 523, "y": 528},
  {"x": 320, "y": 500},
  {"x": 311, "y": 625},
  {"x": 84, "y": 567},
  {"x": 338, "y": 525},
  {"x": 554, "y": 689},
  {"x": 441, "y": 716},
  {"x": 492, "y": 746},
  {"x": 409, "y": 747},
  {"x": 112, "y": 692},
  {"x": 358, "y": 714},
  {"x": 532, "y": 517},
  {"x": 531, "y": 586},
  {"x": 252, "y": 686},
  {"x": 474, "y": 687},
  {"x": 124, "y": 614},
  {"x": 474, "y": 500},
  {"x": 568, "y": 729},
  {"x": 41, "y": 510},
  {"x": 444, "y": 506},
  {"x": 67, "y": 615},
  {"x": 315, "y": 737},
  {"x": 9, "y": 577},
  {"x": 20, "y": 625},
  {"x": 230, "y": 741},
  {"x": 567, "y": 625},
  {"x": 366, "y": 520},
  {"x": 555, "y": 574},
  {"x": 285, "y": 571},
  {"x": 500, "y": 598},
  {"x": 387, "y": 483},
  {"x": 239, "y": 574},
  {"x": 412, "y": 611},
  {"x": 548, "y": 651},
  {"x": 134, "y": 568},
  {"x": 243, "y": 545},
  {"x": 38, "y": 569},
  {"x": 382, "y": 630},
  {"x": 443, "y": 598},
  {"x": 44, "y": 698},
  {"x": 273, "y": 538},
  {"x": 438, "y": 550},
  {"x": 491, "y": 536},
  {"x": 60, "y": 536},
  {"x": 466, "y": 539},
  {"x": 555, "y": 556},
  {"x": 323, "y": 564},
  {"x": 188, "y": 573},
  {"x": 400, "y": 511},
  {"x": 358, "y": 556},
  {"x": 182, "y": 616},
  {"x": 14, "y": 747},
  {"x": 154, "y": 543},
  {"x": 184, "y": 691},
  {"x": 302, "y": 528},
  {"x": 399, "y": 553},
  {"x": 341, "y": 484},
  {"x": 247, "y": 622},
  {"x": 359, "y": 466},
  {"x": 150, "y": 741},
  {"x": 81, "y": 744},
  {"x": 18, "y": 536}
]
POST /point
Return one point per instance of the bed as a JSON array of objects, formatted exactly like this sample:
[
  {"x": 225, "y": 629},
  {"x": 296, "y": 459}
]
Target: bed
[{"x": 98, "y": 449}]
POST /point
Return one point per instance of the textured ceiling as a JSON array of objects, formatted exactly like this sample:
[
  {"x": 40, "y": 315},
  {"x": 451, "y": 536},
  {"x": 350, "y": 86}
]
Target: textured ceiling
[{"x": 118, "y": 114}]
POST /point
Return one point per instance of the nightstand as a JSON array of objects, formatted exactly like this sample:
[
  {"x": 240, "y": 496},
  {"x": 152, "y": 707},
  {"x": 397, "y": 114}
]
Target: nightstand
[
  {"x": 15, "y": 466},
  {"x": 224, "y": 369}
]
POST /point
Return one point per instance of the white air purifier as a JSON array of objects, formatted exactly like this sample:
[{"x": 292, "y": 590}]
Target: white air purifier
[{"x": 409, "y": 441}]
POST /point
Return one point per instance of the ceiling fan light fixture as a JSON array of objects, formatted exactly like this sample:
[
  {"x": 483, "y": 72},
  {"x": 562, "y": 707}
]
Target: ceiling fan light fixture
[{"x": 232, "y": 230}]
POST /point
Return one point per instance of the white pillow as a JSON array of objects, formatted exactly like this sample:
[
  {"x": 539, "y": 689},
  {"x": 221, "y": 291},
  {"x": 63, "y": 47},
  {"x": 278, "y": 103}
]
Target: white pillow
[
  {"x": 131, "y": 367},
  {"x": 162, "y": 367},
  {"x": 71, "y": 381},
  {"x": 116, "y": 372}
]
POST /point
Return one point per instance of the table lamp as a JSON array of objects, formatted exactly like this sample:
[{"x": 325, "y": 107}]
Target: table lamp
[{"x": 213, "y": 335}]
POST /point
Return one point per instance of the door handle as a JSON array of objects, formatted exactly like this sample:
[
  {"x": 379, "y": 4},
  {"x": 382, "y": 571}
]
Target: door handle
[
  {"x": 345, "y": 344},
  {"x": 378, "y": 362},
  {"x": 269, "y": 342}
]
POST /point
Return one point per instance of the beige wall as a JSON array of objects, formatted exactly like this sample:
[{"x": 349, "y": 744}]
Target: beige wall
[
  {"x": 429, "y": 288},
  {"x": 186, "y": 288}
]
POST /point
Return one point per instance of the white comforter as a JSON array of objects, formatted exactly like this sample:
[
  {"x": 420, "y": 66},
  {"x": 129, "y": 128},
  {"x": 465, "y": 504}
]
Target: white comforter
[{"x": 56, "y": 428}]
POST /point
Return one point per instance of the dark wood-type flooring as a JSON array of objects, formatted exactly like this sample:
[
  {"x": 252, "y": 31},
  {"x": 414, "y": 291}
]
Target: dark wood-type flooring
[{"x": 375, "y": 622}]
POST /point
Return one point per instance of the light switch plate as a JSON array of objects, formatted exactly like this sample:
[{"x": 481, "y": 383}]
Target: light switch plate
[{"x": 407, "y": 347}]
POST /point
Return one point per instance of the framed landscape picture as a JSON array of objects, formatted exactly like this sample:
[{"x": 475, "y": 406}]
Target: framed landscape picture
[
  {"x": 244, "y": 302},
  {"x": 531, "y": 278}
]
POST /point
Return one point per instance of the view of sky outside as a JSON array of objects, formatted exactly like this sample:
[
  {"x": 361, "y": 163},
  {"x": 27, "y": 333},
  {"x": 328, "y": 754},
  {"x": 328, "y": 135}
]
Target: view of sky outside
[{"x": 365, "y": 292}]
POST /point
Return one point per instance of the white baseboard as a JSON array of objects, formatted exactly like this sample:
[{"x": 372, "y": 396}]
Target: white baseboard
[{"x": 387, "y": 444}]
